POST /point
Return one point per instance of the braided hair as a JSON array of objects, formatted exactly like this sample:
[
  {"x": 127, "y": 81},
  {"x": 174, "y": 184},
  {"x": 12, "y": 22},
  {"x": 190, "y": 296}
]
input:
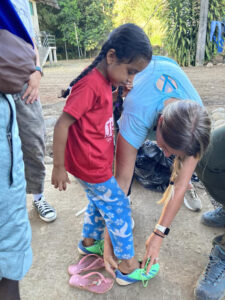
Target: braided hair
[{"x": 129, "y": 42}]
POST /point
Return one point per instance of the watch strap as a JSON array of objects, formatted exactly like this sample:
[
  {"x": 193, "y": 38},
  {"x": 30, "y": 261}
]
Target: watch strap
[
  {"x": 39, "y": 69},
  {"x": 163, "y": 229}
]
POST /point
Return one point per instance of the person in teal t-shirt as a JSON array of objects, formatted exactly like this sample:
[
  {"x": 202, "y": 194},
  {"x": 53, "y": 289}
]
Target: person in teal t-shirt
[{"x": 163, "y": 105}]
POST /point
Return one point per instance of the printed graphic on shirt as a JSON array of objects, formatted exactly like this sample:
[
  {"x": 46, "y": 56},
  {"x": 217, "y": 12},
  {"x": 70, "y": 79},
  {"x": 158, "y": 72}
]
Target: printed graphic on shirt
[{"x": 109, "y": 127}]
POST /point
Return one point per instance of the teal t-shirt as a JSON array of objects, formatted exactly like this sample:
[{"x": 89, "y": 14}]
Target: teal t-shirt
[{"x": 160, "y": 80}]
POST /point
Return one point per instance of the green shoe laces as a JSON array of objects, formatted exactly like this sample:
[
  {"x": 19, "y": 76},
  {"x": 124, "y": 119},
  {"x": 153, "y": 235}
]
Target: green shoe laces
[
  {"x": 144, "y": 280},
  {"x": 154, "y": 269}
]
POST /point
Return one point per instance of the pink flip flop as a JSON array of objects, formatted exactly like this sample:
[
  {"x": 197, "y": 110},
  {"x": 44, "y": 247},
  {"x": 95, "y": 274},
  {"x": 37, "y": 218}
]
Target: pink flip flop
[
  {"x": 93, "y": 282},
  {"x": 87, "y": 263}
]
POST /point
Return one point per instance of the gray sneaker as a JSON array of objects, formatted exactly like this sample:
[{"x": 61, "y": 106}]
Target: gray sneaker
[
  {"x": 192, "y": 201},
  {"x": 46, "y": 212},
  {"x": 211, "y": 284},
  {"x": 214, "y": 218}
]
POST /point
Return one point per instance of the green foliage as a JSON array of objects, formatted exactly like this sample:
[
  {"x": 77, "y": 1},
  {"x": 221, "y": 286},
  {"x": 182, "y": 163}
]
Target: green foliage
[
  {"x": 217, "y": 13},
  {"x": 173, "y": 23},
  {"x": 78, "y": 25},
  {"x": 95, "y": 22},
  {"x": 144, "y": 13},
  {"x": 67, "y": 18},
  {"x": 181, "y": 19}
]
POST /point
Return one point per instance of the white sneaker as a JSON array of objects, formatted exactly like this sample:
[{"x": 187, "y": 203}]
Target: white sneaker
[
  {"x": 192, "y": 201},
  {"x": 46, "y": 212}
]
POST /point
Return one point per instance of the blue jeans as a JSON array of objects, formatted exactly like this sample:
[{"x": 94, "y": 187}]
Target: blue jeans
[{"x": 109, "y": 206}]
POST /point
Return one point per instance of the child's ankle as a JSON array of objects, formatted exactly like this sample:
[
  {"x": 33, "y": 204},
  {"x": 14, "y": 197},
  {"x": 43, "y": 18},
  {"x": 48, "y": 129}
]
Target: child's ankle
[
  {"x": 128, "y": 266},
  {"x": 87, "y": 242}
]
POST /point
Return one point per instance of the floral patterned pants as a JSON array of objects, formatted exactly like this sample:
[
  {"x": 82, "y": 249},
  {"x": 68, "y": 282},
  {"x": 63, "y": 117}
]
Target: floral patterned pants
[{"x": 109, "y": 206}]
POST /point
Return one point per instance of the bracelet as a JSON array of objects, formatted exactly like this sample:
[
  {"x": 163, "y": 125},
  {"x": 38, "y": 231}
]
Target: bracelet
[
  {"x": 39, "y": 69},
  {"x": 158, "y": 234}
]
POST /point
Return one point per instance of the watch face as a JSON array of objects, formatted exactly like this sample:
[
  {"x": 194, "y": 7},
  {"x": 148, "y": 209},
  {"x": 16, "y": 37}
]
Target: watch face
[{"x": 167, "y": 231}]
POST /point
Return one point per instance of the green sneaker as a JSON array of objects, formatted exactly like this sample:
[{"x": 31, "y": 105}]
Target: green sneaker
[
  {"x": 137, "y": 275},
  {"x": 96, "y": 248}
]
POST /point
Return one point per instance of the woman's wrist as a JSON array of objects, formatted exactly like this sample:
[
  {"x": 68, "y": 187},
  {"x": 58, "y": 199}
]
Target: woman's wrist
[{"x": 159, "y": 234}]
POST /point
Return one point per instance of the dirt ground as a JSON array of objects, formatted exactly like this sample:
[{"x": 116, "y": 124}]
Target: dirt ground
[
  {"x": 185, "y": 251},
  {"x": 209, "y": 81}
]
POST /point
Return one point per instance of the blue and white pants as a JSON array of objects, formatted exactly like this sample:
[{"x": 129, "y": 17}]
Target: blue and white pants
[{"x": 109, "y": 206}]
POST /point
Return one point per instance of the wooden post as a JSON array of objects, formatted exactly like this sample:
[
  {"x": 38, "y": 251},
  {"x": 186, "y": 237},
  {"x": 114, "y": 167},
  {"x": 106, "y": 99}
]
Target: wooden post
[
  {"x": 65, "y": 46},
  {"x": 200, "y": 53},
  {"x": 50, "y": 56},
  {"x": 54, "y": 55},
  {"x": 78, "y": 48}
]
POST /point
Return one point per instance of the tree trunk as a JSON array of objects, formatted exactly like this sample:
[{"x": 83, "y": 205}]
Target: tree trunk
[{"x": 200, "y": 53}]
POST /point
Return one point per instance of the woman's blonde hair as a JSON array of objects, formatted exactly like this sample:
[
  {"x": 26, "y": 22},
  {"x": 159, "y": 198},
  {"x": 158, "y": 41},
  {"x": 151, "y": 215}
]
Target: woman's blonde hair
[{"x": 185, "y": 127}]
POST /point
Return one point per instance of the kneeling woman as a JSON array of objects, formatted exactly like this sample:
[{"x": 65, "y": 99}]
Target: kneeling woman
[{"x": 182, "y": 128}]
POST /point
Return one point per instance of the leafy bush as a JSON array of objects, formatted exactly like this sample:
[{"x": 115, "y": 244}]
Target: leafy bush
[{"x": 181, "y": 18}]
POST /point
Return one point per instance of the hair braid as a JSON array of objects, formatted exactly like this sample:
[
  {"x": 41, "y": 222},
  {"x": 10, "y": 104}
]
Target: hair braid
[
  {"x": 169, "y": 192},
  {"x": 97, "y": 60},
  {"x": 129, "y": 42}
]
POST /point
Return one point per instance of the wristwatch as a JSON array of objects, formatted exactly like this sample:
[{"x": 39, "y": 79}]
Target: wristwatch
[
  {"x": 163, "y": 229},
  {"x": 39, "y": 69}
]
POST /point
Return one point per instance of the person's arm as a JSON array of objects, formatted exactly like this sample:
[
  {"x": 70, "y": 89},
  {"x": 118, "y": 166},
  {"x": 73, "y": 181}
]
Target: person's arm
[
  {"x": 110, "y": 261},
  {"x": 170, "y": 210},
  {"x": 59, "y": 174},
  {"x": 32, "y": 91},
  {"x": 125, "y": 161}
]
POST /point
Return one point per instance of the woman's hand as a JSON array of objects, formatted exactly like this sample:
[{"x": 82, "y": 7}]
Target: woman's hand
[
  {"x": 32, "y": 91},
  {"x": 60, "y": 178},
  {"x": 152, "y": 245}
]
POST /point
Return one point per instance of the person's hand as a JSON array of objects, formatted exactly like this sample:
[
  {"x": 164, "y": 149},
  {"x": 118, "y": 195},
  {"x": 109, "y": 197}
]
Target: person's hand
[
  {"x": 153, "y": 245},
  {"x": 60, "y": 178},
  {"x": 127, "y": 88},
  {"x": 32, "y": 91},
  {"x": 109, "y": 258}
]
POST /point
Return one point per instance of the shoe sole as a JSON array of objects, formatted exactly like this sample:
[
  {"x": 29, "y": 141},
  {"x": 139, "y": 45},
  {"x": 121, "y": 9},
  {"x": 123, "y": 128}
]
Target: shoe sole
[
  {"x": 124, "y": 282},
  {"x": 189, "y": 207},
  {"x": 195, "y": 295},
  {"x": 82, "y": 252},
  {"x": 211, "y": 224},
  {"x": 48, "y": 220}
]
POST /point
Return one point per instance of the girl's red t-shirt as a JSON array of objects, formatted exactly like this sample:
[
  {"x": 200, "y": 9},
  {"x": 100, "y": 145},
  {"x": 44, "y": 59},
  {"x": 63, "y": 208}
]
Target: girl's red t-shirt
[{"x": 90, "y": 147}]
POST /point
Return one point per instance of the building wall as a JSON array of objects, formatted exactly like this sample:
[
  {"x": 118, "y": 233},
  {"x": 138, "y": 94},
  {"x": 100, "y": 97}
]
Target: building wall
[{"x": 33, "y": 9}]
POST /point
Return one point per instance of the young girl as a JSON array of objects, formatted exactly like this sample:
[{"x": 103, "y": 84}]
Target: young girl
[{"x": 83, "y": 142}]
